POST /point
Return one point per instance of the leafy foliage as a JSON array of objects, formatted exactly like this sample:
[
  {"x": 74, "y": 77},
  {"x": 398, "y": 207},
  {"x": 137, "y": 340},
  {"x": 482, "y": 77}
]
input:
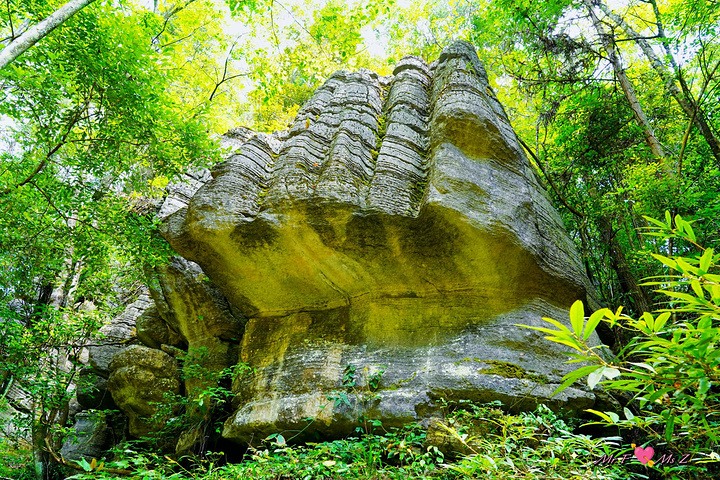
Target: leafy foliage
[
  {"x": 314, "y": 44},
  {"x": 92, "y": 130},
  {"x": 530, "y": 445},
  {"x": 671, "y": 365}
]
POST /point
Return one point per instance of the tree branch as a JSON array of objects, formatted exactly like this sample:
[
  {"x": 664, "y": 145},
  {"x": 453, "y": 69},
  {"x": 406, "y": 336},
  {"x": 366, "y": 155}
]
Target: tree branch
[
  {"x": 44, "y": 162},
  {"x": 167, "y": 16},
  {"x": 18, "y": 46},
  {"x": 59, "y": 459},
  {"x": 12, "y": 29},
  {"x": 552, "y": 184},
  {"x": 692, "y": 118},
  {"x": 684, "y": 98}
]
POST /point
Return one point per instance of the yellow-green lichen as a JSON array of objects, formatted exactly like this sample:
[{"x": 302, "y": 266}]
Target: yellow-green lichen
[{"x": 510, "y": 370}]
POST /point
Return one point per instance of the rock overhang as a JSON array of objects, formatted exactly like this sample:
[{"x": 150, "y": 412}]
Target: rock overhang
[{"x": 397, "y": 223}]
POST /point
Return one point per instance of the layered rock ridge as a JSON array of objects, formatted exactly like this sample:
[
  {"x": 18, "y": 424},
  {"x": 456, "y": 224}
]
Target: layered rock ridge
[{"x": 381, "y": 251}]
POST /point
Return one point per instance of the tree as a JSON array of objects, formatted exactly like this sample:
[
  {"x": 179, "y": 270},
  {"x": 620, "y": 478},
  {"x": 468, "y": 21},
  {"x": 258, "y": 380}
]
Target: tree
[
  {"x": 671, "y": 362},
  {"x": 93, "y": 128},
  {"x": 682, "y": 97},
  {"x": 614, "y": 57},
  {"x": 303, "y": 55},
  {"x": 30, "y": 37},
  {"x": 603, "y": 179}
]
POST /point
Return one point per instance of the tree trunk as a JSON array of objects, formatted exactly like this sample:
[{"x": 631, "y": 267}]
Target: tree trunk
[
  {"x": 41, "y": 459},
  {"x": 627, "y": 87},
  {"x": 18, "y": 46},
  {"x": 682, "y": 98},
  {"x": 628, "y": 284}
]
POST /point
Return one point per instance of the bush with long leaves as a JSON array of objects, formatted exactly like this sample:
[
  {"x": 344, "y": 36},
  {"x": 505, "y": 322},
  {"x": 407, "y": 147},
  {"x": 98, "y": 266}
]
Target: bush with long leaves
[{"x": 671, "y": 365}]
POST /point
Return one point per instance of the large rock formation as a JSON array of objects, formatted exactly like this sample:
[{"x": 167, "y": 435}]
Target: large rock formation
[
  {"x": 396, "y": 227},
  {"x": 371, "y": 260}
]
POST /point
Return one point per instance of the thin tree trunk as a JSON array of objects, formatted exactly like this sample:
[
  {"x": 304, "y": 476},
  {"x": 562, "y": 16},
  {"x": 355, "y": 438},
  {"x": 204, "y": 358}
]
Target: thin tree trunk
[
  {"x": 628, "y": 284},
  {"x": 41, "y": 458},
  {"x": 18, "y": 46},
  {"x": 682, "y": 98},
  {"x": 618, "y": 262},
  {"x": 664, "y": 42},
  {"x": 627, "y": 87}
]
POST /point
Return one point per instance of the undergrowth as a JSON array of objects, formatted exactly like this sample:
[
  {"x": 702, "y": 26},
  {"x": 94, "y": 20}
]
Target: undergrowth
[{"x": 474, "y": 441}]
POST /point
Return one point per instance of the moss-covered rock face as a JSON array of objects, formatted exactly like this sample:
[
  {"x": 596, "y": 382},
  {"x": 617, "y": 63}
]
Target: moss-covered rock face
[
  {"x": 397, "y": 223},
  {"x": 140, "y": 378}
]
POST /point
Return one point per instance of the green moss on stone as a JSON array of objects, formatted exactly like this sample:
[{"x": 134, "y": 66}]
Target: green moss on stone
[{"x": 510, "y": 370}]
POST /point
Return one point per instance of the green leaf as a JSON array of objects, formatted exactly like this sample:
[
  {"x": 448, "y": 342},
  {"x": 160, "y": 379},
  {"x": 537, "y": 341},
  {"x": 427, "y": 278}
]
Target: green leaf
[
  {"x": 659, "y": 393},
  {"x": 715, "y": 290},
  {"x": 665, "y": 260},
  {"x": 685, "y": 267},
  {"x": 669, "y": 427},
  {"x": 704, "y": 386},
  {"x": 661, "y": 320},
  {"x": 593, "y": 322},
  {"x": 562, "y": 327},
  {"x": 697, "y": 288},
  {"x": 628, "y": 414},
  {"x": 539, "y": 329},
  {"x": 706, "y": 259},
  {"x": 689, "y": 230},
  {"x": 577, "y": 317},
  {"x": 602, "y": 415},
  {"x": 681, "y": 296},
  {"x": 569, "y": 341},
  {"x": 573, "y": 376},
  {"x": 649, "y": 320},
  {"x": 85, "y": 465},
  {"x": 654, "y": 221}
]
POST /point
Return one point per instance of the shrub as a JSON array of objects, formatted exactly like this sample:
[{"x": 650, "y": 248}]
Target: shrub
[{"x": 671, "y": 365}]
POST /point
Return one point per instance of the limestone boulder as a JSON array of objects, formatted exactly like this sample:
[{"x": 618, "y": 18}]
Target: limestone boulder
[
  {"x": 210, "y": 330},
  {"x": 140, "y": 380},
  {"x": 115, "y": 336},
  {"x": 395, "y": 232},
  {"x": 89, "y": 438},
  {"x": 91, "y": 391},
  {"x": 193, "y": 306},
  {"x": 153, "y": 331}
]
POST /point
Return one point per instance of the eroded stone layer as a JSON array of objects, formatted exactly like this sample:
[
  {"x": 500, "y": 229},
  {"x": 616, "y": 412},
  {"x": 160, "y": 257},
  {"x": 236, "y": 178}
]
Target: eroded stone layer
[{"x": 397, "y": 225}]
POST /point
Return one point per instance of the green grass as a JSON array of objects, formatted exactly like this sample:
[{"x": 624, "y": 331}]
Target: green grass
[{"x": 15, "y": 461}]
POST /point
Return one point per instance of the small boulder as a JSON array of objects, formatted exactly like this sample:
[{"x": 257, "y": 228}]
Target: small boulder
[
  {"x": 92, "y": 391},
  {"x": 140, "y": 380},
  {"x": 152, "y": 330},
  {"x": 91, "y": 436},
  {"x": 117, "y": 335}
]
